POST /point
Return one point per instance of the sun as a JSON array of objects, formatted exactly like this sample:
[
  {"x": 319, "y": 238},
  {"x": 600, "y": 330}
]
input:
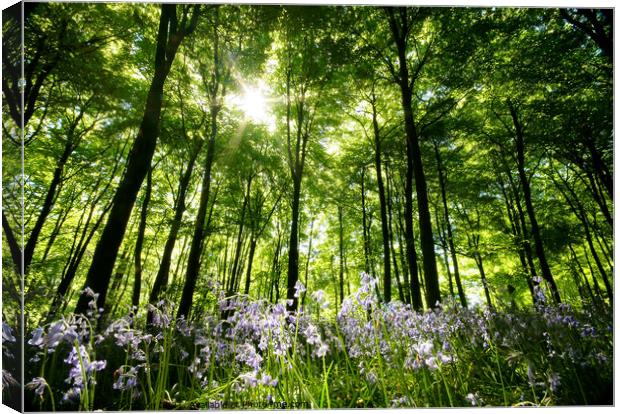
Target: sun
[{"x": 253, "y": 102}]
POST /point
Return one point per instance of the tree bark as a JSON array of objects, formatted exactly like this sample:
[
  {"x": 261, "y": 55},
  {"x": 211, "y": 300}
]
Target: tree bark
[
  {"x": 16, "y": 252},
  {"x": 248, "y": 274},
  {"x": 519, "y": 239},
  {"x": 385, "y": 232},
  {"x": 341, "y": 254},
  {"x": 275, "y": 268},
  {"x": 414, "y": 159},
  {"x": 483, "y": 277},
  {"x": 161, "y": 280},
  {"x": 195, "y": 251},
  {"x": 364, "y": 225},
  {"x": 577, "y": 207},
  {"x": 296, "y": 159},
  {"x": 401, "y": 291},
  {"x": 235, "y": 267},
  {"x": 137, "y": 285},
  {"x": 50, "y": 196},
  {"x": 104, "y": 257},
  {"x": 441, "y": 233},
  {"x": 293, "y": 247},
  {"x": 525, "y": 185},
  {"x": 455, "y": 263}
]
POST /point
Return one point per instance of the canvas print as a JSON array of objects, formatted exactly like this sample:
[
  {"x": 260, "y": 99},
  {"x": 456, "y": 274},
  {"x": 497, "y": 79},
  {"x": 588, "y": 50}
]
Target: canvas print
[{"x": 234, "y": 206}]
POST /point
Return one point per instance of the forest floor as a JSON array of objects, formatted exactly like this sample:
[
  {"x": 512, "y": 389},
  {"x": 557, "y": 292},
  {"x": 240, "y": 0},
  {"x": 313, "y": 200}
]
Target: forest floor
[{"x": 253, "y": 354}]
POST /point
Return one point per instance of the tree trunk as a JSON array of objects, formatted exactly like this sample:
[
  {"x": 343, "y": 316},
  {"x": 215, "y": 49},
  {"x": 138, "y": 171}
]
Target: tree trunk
[
  {"x": 412, "y": 260},
  {"x": 581, "y": 273},
  {"x": 597, "y": 288},
  {"x": 137, "y": 285},
  {"x": 455, "y": 263},
  {"x": 248, "y": 274},
  {"x": 414, "y": 160},
  {"x": 72, "y": 265},
  {"x": 598, "y": 197},
  {"x": 58, "y": 225},
  {"x": 402, "y": 255},
  {"x": 341, "y": 253},
  {"x": 525, "y": 185},
  {"x": 385, "y": 232},
  {"x": 401, "y": 292},
  {"x": 138, "y": 163},
  {"x": 441, "y": 233},
  {"x": 275, "y": 268},
  {"x": 578, "y": 210},
  {"x": 293, "y": 246},
  {"x": 195, "y": 251},
  {"x": 47, "y": 203},
  {"x": 161, "y": 280},
  {"x": 527, "y": 247},
  {"x": 236, "y": 268},
  {"x": 483, "y": 277},
  {"x": 364, "y": 226},
  {"x": 16, "y": 252},
  {"x": 516, "y": 232},
  {"x": 600, "y": 168}
]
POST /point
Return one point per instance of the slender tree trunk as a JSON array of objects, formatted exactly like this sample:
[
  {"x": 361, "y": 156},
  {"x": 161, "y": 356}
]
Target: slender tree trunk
[
  {"x": 161, "y": 280},
  {"x": 195, "y": 251},
  {"x": 307, "y": 266},
  {"x": 293, "y": 246},
  {"x": 600, "y": 168},
  {"x": 248, "y": 274},
  {"x": 412, "y": 260},
  {"x": 578, "y": 210},
  {"x": 516, "y": 232},
  {"x": 257, "y": 231},
  {"x": 401, "y": 293},
  {"x": 402, "y": 255},
  {"x": 385, "y": 232},
  {"x": 599, "y": 264},
  {"x": 414, "y": 157},
  {"x": 474, "y": 241},
  {"x": 364, "y": 226},
  {"x": 598, "y": 197},
  {"x": 441, "y": 233},
  {"x": 525, "y": 185},
  {"x": 274, "y": 268},
  {"x": 100, "y": 272},
  {"x": 341, "y": 253},
  {"x": 77, "y": 253},
  {"x": 58, "y": 224},
  {"x": 137, "y": 285},
  {"x": 597, "y": 288},
  {"x": 483, "y": 277},
  {"x": 236, "y": 268},
  {"x": 47, "y": 203},
  {"x": 16, "y": 252},
  {"x": 296, "y": 153},
  {"x": 455, "y": 263},
  {"x": 181, "y": 261},
  {"x": 581, "y": 273}
]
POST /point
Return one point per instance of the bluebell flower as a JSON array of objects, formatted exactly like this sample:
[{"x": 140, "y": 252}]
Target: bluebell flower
[
  {"x": 37, "y": 337},
  {"x": 299, "y": 289},
  {"x": 554, "y": 381},
  {"x": 37, "y": 384},
  {"x": 7, "y": 333}
]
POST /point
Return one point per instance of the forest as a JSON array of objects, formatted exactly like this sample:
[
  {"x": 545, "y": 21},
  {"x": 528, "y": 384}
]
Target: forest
[{"x": 244, "y": 206}]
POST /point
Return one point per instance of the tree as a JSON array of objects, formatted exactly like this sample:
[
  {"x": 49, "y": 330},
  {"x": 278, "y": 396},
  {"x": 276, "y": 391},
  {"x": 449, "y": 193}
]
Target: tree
[{"x": 171, "y": 32}]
